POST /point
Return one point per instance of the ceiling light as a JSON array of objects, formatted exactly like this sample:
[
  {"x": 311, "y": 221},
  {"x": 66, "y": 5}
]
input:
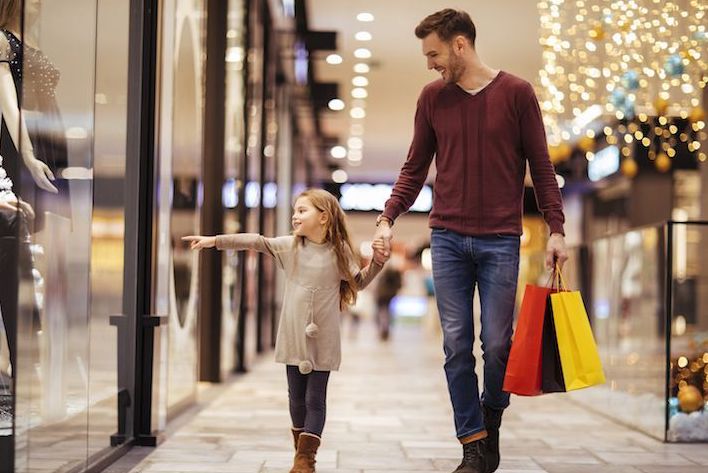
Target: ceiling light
[
  {"x": 363, "y": 36},
  {"x": 365, "y": 17},
  {"x": 361, "y": 68},
  {"x": 355, "y": 143},
  {"x": 334, "y": 59},
  {"x": 360, "y": 81},
  {"x": 362, "y": 53},
  {"x": 355, "y": 155},
  {"x": 339, "y": 176},
  {"x": 359, "y": 93},
  {"x": 338, "y": 152},
  {"x": 336, "y": 104},
  {"x": 357, "y": 112}
]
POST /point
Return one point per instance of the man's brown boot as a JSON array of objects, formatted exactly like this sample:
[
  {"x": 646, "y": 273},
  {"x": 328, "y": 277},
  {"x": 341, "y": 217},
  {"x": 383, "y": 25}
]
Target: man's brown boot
[
  {"x": 296, "y": 435},
  {"x": 307, "y": 445}
]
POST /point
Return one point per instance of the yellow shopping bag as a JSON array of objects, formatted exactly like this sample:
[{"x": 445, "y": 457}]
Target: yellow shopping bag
[{"x": 578, "y": 353}]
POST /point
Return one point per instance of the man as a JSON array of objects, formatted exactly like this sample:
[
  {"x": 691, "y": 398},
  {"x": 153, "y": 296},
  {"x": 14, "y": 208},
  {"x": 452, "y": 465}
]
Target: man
[{"x": 482, "y": 125}]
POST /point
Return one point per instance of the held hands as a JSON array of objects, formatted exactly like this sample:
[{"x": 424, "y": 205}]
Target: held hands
[
  {"x": 556, "y": 251},
  {"x": 381, "y": 254},
  {"x": 198, "y": 242},
  {"x": 385, "y": 234}
]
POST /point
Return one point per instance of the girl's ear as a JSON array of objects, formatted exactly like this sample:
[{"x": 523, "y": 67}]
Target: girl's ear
[{"x": 323, "y": 218}]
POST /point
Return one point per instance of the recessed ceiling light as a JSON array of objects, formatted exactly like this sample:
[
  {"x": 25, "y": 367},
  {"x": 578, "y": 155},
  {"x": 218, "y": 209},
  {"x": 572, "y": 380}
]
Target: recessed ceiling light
[
  {"x": 355, "y": 155},
  {"x": 355, "y": 143},
  {"x": 336, "y": 104},
  {"x": 365, "y": 16},
  {"x": 361, "y": 68},
  {"x": 360, "y": 81},
  {"x": 362, "y": 53},
  {"x": 334, "y": 59},
  {"x": 363, "y": 36},
  {"x": 340, "y": 176},
  {"x": 338, "y": 152},
  {"x": 359, "y": 93},
  {"x": 357, "y": 112}
]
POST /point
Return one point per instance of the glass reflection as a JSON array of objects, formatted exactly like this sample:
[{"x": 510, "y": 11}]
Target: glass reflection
[{"x": 181, "y": 157}]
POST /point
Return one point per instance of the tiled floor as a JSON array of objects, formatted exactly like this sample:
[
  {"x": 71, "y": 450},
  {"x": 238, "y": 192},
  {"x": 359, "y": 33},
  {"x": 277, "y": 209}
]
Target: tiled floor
[{"x": 389, "y": 412}]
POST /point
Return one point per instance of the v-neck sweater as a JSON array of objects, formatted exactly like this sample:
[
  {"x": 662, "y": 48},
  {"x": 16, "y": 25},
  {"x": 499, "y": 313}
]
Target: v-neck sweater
[
  {"x": 481, "y": 143},
  {"x": 312, "y": 281}
]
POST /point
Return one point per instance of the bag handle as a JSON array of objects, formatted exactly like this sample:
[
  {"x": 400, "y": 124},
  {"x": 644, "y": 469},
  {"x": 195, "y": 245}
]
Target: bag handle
[{"x": 560, "y": 282}]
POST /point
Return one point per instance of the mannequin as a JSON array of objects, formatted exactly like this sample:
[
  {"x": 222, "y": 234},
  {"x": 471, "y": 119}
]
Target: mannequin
[
  {"x": 11, "y": 77},
  {"x": 32, "y": 139}
]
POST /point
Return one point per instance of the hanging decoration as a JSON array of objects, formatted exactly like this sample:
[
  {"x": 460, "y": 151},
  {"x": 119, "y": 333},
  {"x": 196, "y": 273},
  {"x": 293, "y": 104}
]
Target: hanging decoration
[{"x": 639, "y": 66}]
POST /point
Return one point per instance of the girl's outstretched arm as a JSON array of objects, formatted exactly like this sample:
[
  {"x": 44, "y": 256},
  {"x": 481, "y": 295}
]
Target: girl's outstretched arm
[
  {"x": 198, "y": 242},
  {"x": 275, "y": 247}
]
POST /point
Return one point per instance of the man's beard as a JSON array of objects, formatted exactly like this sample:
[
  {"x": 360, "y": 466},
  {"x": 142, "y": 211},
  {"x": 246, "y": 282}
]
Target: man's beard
[{"x": 455, "y": 69}]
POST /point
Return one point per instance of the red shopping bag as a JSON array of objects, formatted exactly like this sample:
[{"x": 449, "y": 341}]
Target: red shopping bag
[{"x": 524, "y": 368}]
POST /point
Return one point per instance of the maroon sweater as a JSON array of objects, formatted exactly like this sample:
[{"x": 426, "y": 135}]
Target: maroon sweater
[{"x": 481, "y": 144}]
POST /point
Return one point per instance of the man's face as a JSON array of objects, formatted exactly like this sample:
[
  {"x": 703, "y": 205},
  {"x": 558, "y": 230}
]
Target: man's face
[{"x": 442, "y": 58}]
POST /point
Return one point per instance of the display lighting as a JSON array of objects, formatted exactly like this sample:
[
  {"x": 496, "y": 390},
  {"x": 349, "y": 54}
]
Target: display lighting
[
  {"x": 363, "y": 36},
  {"x": 625, "y": 62},
  {"x": 361, "y": 68}
]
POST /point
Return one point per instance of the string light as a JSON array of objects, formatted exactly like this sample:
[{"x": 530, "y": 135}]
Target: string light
[{"x": 636, "y": 58}]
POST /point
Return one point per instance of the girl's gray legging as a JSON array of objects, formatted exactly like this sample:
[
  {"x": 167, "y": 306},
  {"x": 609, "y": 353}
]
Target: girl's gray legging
[{"x": 308, "y": 399}]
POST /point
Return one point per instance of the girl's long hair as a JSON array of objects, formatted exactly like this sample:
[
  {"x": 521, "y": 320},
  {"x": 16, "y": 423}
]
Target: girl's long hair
[{"x": 337, "y": 234}]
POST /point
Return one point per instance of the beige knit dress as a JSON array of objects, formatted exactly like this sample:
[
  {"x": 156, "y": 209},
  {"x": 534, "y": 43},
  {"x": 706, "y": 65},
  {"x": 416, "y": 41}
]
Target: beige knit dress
[{"x": 311, "y": 296}]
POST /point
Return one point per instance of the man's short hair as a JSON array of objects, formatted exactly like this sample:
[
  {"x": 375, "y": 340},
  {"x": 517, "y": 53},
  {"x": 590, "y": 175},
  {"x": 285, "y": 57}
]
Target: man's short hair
[{"x": 447, "y": 23}]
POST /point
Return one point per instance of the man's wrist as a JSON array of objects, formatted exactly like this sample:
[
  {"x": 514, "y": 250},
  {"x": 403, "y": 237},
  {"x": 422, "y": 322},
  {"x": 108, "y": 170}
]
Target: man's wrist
[{"x": 382, "y": 219}]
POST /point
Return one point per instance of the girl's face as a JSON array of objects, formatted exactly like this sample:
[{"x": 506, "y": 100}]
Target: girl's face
[{"x": 307, "y": 220}]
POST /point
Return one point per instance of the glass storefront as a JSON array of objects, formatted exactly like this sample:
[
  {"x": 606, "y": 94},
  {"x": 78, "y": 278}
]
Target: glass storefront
[
  {"x": 67, "y": 342},
  {"x": 62, "y": 252}
]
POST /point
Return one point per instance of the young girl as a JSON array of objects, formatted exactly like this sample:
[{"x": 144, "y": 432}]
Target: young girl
[{"x": 322, "y": 278}]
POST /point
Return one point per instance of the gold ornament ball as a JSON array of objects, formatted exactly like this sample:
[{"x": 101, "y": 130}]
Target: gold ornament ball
[
  {"x": 690, "y": 399},
  {"x": 660, "y": 105},
  {"x": 662, "y": 162},
  {"x": 629, "y": 167},
  {"x": 559, "y": 152},
  {"x": 597, "y": 33},
  {"x": 697, "y": 114},
  {"x": 586, "y": 144}
]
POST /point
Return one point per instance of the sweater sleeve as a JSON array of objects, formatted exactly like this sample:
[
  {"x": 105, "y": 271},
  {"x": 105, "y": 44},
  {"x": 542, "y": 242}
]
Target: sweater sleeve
[
  {"x": 415, "y": 169},
  {"x": 279, "y": 247},
  {"x": 367, "y": 274},
  {"x": 535, "y": 150}
]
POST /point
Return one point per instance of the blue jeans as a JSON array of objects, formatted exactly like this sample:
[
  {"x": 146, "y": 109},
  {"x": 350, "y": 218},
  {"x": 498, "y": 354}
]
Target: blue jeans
[{"x": 459, "y": 263}]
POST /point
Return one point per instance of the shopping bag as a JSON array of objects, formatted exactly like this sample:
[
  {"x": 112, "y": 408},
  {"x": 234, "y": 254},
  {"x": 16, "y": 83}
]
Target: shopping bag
[
  {"x": 551, "y": 372},
  {"x": 579, "y": 357},
  {"x": 523, "y": 368}
]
